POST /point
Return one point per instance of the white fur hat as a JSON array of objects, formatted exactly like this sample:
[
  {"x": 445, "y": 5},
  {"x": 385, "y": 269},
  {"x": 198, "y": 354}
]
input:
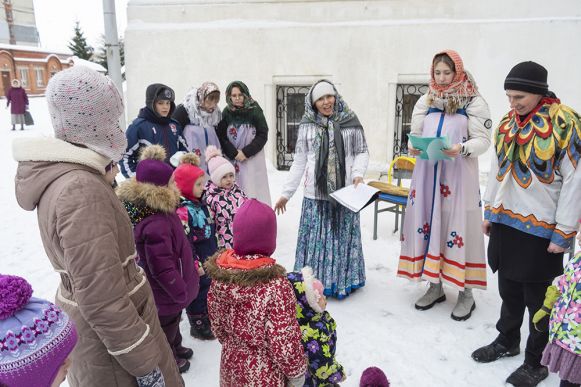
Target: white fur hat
[{"x": 321, "y": 89}]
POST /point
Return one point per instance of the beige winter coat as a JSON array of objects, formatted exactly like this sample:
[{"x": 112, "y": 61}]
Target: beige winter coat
[{"x": 88, "y": 238}]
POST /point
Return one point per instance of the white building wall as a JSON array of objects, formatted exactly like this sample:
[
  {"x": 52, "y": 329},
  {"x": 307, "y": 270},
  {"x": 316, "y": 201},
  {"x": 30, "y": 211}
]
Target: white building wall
[{"x": 365, "y": 47}]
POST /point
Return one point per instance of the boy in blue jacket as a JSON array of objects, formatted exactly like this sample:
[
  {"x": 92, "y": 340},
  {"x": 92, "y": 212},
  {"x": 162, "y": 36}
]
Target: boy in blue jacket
[{"x": 153, "y": 125}]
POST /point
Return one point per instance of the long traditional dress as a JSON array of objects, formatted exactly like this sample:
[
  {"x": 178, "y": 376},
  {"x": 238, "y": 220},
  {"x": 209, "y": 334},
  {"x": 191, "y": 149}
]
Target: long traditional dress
[
  {"x": 245, "y": 129},
  {"x": 329, "y": 237},
  {"x": 442, "y": 238}
]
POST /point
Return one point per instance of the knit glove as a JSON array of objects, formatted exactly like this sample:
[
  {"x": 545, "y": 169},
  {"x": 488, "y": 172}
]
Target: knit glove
[
  {"x": 541, "y": 318},
  {"x": 152, "y": 379},
  {"x": 296, "y": 382}
]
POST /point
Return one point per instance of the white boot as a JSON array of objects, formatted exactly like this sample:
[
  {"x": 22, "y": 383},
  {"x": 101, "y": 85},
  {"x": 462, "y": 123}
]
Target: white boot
[
  {"x": 464, "y": 306},
  {"x": 434, "y": 295}
]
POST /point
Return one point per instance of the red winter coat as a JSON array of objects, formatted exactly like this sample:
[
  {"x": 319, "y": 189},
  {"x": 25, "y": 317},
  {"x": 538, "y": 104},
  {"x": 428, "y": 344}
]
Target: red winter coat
[{"x": 253, "y": 316}]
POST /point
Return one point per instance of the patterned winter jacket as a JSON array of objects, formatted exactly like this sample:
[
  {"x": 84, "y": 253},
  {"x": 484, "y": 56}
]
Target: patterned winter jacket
[
  {"x": 319, "y": 338},
  {"x": 199, "y": 227},
  {"x": 565, "y": 325},
  {"x": 223, "y": 204},
  {"x": 252, "y": 310}
]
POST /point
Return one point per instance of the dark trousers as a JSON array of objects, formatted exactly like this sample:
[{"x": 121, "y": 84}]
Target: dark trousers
[
  {"x": 199, "y": 307},
  {"x": 565, "y": 383},
  {"x": 516, "y": 296},
  {"x": 171, "y": 327}
]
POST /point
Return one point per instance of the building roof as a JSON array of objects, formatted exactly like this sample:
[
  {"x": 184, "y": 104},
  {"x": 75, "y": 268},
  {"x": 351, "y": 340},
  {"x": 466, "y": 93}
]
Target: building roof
[{"x": 4, "y": 46}]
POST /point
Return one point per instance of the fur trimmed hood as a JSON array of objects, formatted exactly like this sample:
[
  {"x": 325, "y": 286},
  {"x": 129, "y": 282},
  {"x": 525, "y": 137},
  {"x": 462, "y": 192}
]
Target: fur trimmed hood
[
  {"x": 242, "y": 277},
  {"x": 159, "y": 198},
  {"x": 43, "y": 160}
]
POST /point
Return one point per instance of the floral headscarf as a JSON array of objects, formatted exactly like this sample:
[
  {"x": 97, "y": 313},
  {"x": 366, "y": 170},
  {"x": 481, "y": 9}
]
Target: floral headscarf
[
  {"x": 459, "y": 91},
  {"x": 194, "y": 98},
  {"x": 205, "y": 90},
  {"x": 249, "y": 103}
]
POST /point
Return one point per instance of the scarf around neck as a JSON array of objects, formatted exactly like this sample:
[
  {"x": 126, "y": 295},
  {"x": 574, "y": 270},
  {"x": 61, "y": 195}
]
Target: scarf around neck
[
  {"x": 228, "y": 259},
  {"x": 137, "y": 212},
  {"x": 459, "y": 92},
  {"x": 330, "y": 162}
]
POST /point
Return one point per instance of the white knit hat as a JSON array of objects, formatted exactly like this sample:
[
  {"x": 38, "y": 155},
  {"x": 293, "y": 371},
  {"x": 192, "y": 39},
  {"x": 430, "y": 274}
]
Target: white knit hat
[
  {"x": 217, "y": 164},
  {"x": 85, "y": 107},
  {"x": 321, "y": 89}
]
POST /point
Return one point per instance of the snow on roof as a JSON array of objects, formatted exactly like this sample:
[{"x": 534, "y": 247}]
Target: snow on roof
[
  {"x": 4, "y": 46},
  {"x": 140, "y": 25},
  {"x": 39, "y": 60},
  {"x": 92, "y": 65}
]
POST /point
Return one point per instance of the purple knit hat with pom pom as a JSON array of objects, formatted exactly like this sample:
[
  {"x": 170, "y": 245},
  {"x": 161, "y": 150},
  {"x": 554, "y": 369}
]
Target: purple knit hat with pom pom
[{"x": 36, "y": 336}]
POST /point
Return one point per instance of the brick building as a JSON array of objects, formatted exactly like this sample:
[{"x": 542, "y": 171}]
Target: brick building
[
  {"x": 33, "y": 66},
  {"x": 20, "y": 56}
]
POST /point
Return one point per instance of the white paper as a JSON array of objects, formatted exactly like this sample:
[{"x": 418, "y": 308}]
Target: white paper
[{"x": 353, "y": 198}]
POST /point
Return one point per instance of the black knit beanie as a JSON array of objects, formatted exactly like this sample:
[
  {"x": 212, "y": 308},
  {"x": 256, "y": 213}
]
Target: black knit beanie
[{"x": 527, "y": 76}]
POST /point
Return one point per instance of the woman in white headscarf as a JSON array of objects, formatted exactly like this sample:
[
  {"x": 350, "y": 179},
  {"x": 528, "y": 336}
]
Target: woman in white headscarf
[
  {"x": 331, "y": 152},
  {"x": 199, "y": 115}
]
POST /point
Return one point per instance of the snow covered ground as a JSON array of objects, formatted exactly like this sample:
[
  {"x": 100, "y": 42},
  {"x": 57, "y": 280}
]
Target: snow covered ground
[{"x": 377, "y": 326}]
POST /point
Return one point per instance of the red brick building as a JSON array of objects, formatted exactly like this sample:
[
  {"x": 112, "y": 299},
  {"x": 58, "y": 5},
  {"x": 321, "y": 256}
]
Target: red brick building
[{"x": 32, "y": 66}]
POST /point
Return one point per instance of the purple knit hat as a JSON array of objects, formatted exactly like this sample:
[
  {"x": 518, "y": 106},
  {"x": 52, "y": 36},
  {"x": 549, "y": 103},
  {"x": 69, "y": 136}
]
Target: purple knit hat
[
  {"x": 36, "y": 336},
  {"x": 254, "y": 229},
  {"x": 152, "y": 168},
  {"x": 373, "y": 377}
]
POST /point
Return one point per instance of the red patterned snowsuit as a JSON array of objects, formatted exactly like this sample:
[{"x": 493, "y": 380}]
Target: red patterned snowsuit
[{"x": 253, "y": 316}]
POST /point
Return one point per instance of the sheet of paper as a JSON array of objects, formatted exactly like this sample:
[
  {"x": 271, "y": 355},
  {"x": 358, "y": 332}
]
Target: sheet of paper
[{"x": 355, "y": 199}]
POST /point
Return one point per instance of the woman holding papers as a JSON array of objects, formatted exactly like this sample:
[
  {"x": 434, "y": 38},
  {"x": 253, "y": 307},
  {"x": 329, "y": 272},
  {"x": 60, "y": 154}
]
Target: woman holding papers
[
  {"x": 441, "y": 240},
  {"x": 331, "y": 152}
]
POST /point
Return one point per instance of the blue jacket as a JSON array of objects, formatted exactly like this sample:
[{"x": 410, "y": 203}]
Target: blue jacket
[{"x": 148, "y": 129}]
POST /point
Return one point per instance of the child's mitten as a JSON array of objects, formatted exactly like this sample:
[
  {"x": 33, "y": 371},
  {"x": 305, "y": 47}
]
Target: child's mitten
[
  {"x": 152, "y": 379},
  {"x": 541, "y": 318}
]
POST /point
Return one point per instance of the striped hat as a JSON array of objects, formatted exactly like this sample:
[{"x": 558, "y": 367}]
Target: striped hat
[
  {"x": 529, "y": 77},
  {"x": 36, "y": 336}
]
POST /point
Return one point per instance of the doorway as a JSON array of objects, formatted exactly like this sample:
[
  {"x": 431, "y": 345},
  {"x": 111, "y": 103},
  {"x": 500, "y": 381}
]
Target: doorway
[{"x": 5, "y": 82}]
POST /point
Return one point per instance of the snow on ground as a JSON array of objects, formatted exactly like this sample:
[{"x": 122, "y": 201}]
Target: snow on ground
[{"x": 377, "y": 326}]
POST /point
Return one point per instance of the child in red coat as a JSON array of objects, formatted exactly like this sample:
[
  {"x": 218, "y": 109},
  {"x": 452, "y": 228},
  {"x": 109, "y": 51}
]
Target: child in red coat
[{"x": 252, "y": 306}]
